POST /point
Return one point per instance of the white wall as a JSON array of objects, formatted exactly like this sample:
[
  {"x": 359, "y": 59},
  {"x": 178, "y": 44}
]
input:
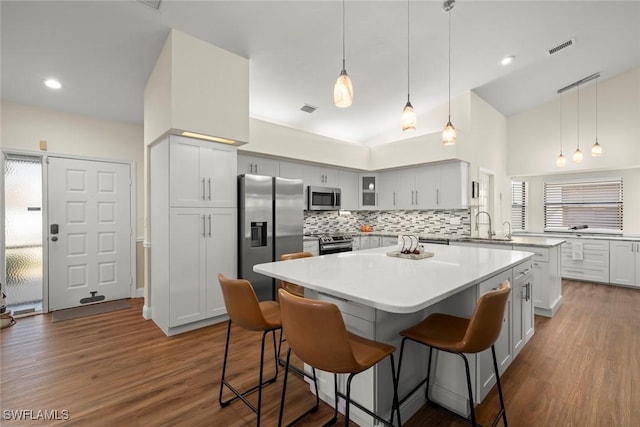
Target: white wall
[
  {"x": 534, "y": 136},
  {"x": 631, "y": 207},
  {"x": 271, "y": 139}
]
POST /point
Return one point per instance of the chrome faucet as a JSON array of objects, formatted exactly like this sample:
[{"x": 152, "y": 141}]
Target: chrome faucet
[
  {"x": 490, "y": 232},
  {"x": 508, "y": 235}
]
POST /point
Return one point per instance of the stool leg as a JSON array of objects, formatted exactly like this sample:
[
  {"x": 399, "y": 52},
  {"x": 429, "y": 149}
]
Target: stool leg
[
  {"x": 426, "y": 390},
  {"x": 348, "y": 402},
  {"x": 471, "y": 404},
  {"x": 284, "y": 388},
  {"x": 395, "y": 403},
  {"x": 224, "y": 366},
  {"x": 333, "y": 420},
  {"x": 503, "y": 411},
  {"x": 276, "y": 350}
]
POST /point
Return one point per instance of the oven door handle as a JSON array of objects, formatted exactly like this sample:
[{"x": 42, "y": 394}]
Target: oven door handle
[{"x": 336, "y": 246}]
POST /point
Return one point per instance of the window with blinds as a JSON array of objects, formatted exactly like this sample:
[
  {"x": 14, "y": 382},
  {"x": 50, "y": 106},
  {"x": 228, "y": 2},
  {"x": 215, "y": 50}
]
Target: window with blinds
[
  {"x": 519, "y": 199},
  {"x": 594, "y": 203}
]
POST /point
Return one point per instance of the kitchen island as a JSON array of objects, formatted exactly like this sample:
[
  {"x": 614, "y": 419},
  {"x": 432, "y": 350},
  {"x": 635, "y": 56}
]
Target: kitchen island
[{"x": 380, "y": 295}]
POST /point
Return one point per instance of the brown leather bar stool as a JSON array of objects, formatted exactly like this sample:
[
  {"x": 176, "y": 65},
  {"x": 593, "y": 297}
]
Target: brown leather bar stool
[
  {"x": 245, "y": 311},
  {"x": 330, "y": 348},
  {"x": 290, "y": 287},
  {"x": 459, "y": 335}
]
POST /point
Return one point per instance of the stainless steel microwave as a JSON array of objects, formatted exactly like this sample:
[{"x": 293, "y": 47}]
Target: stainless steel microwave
[{"x": 323, "y": 199}]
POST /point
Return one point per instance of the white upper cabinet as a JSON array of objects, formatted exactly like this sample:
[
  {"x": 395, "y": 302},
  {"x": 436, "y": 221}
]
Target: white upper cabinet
[
  {"x": 368, "y": 190},
  {"x": 292, "y": 170},
  {"x": 320, "y": 176},
  {"x": 348, "y": 184},
  {"x": 203, "y": 174},
  {"x": 257, "y": 165},
  {"x": 452, "y": 191},
  {"x": 388, "y": 190}
]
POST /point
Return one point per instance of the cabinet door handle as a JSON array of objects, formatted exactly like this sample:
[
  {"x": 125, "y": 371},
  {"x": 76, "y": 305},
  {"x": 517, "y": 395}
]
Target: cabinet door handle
[
  {"x": 411, "y": 197},
  {"x": 437, "y": 196},
  {"x": 528, "y": 291},
  {"x": 416, "y": 197},
  {"x": 202, "y": 188},
  {"x": 209, "y": 188},
  {"x": 524, "y": 292},
  {"x": 204, "y": 231},
  {"x": 394, "y": 198},
  {"x": 209, "y": 225}
]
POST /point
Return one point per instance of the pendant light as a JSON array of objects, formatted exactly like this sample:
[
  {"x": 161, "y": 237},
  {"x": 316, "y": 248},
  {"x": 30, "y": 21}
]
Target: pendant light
[
  {"x": 596, "y": 150},
  {"x": 561, "y": 161},
  {"x": 449, "y": 133},
  {"x": 343, "y": 89},
  {"x": 577, "y": 155},
  {"x": 408, "y": 120}
]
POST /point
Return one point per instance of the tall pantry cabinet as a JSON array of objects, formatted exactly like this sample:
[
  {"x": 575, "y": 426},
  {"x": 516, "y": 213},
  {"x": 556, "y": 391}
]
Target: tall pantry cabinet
[{"x": 193, "y": 207}]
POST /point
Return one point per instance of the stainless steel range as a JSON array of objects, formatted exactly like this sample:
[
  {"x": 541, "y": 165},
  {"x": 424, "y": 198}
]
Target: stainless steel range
[{"x": 335, "y": 244}]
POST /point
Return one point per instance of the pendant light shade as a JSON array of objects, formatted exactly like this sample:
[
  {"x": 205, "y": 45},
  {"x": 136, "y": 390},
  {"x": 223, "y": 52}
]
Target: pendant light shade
[
  {"x": 449, "y": 132},
  {"x": 343, "y": 89},
  {"x": 408, "y": 118},
  {"x": 596, "y": 150},
  {"x": 577, "y": 155}
]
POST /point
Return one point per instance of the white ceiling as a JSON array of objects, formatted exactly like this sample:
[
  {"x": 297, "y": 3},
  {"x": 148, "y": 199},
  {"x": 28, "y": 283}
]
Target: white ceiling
[{"x": 104, "y": 51}]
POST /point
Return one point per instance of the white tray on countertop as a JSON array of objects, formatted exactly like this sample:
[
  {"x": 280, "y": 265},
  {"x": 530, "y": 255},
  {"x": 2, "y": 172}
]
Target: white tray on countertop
[{"x": 421, "y": 255}]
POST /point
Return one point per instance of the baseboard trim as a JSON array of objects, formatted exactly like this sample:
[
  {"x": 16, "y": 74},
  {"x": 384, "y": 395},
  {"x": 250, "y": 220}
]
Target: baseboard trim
[{"x": 146, "y": 312}]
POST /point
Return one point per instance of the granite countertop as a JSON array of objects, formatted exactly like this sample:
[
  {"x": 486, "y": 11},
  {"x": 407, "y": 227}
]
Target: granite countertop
[
  {"x": 631, "y": 238},
  {"x": 395, "y": 285}
]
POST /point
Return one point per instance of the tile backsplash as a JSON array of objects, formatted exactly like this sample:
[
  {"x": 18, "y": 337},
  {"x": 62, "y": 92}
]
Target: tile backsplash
[{"x": 436, "y": 222}]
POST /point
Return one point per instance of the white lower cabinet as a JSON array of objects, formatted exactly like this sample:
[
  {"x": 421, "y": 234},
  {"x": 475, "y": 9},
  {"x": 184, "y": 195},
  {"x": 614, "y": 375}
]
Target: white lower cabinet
[
  {"x": 368, "y": 242},
  {"x": 589, "y": 261},
  {"x": 522, "y": 306},
  {"x": 624, "y": 263},
  {"x": 201, "y": 242}
]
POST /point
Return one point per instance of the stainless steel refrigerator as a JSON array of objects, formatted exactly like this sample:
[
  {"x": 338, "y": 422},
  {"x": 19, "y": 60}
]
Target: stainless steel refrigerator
[{"x": 270, "y": 221}]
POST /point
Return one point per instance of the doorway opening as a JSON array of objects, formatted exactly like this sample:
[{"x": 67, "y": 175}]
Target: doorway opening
[{"x": 23, "y": 234}]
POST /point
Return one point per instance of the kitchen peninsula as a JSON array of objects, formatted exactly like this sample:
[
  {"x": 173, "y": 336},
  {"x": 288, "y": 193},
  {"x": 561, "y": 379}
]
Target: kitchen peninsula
[{"x": 381, "y": 295}]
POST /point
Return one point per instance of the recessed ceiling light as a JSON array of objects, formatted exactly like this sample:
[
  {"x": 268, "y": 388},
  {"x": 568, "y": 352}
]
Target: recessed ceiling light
[
  {"x": 53, "y": 84},
  {"x": 507, "y": 60}
]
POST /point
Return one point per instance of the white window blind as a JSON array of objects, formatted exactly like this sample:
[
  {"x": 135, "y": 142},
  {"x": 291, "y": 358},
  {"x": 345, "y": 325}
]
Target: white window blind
[
  {"x": 596, "y": 204},
  {"x": 519, "y": 202}
]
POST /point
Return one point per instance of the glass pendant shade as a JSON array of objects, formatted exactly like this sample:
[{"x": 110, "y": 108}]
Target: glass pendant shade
[
  {"x": 596, "y": 150},
  {"x": 449, "y": 134},
  {"x": 577, "y": 155},
  {"x": 408, "y": 119},
  {"x": 343, "y": 90},
  {"x": 561, "y": 161}
]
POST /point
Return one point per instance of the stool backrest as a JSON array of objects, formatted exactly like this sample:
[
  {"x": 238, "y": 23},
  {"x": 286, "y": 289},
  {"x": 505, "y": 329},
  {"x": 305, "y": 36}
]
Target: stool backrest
[
  {"x": 316, "y": 333},
  {"x": 242, "y": 303},
  {"x": 290, "y": 287},
  {"x": 486, "y": 323}
]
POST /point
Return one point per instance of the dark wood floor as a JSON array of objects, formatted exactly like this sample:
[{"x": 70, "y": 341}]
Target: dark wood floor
[{"x": 581, "y": 368}]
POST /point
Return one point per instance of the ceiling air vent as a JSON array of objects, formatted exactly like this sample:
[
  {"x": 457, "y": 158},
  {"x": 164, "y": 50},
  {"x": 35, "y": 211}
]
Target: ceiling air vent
[
  {"x": 308, "y": 108},
  {"x": 154, "y": 4},
  {"x": 561, "y": 46}
]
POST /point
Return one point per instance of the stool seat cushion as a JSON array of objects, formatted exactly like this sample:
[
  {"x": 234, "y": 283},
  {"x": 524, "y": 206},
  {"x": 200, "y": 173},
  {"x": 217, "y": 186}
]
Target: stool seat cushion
[
  {"x": 441, "y": 331},
  {"x": 367, "y": 352}
]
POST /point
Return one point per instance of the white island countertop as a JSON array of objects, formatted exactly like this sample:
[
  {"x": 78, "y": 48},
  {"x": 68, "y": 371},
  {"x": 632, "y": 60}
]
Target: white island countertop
[{"x": 395, "y": 285}]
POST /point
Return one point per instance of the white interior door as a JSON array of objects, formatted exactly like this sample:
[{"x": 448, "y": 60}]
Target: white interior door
[{"x": 89, "y": 233}]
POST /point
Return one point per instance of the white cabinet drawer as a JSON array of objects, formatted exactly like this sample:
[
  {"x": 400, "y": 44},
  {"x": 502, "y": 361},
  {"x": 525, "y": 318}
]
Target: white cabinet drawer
[
  {"x": 349, "y": 307},
  {"x": 587, "y": 273},
  {"x": 588, "y": 244},
  {"x": 541, "y": 254},
  {"x": 590, "y": 258}
]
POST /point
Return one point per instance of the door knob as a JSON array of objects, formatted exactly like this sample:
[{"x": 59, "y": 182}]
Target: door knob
[{"x": 54, "y": 239}]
